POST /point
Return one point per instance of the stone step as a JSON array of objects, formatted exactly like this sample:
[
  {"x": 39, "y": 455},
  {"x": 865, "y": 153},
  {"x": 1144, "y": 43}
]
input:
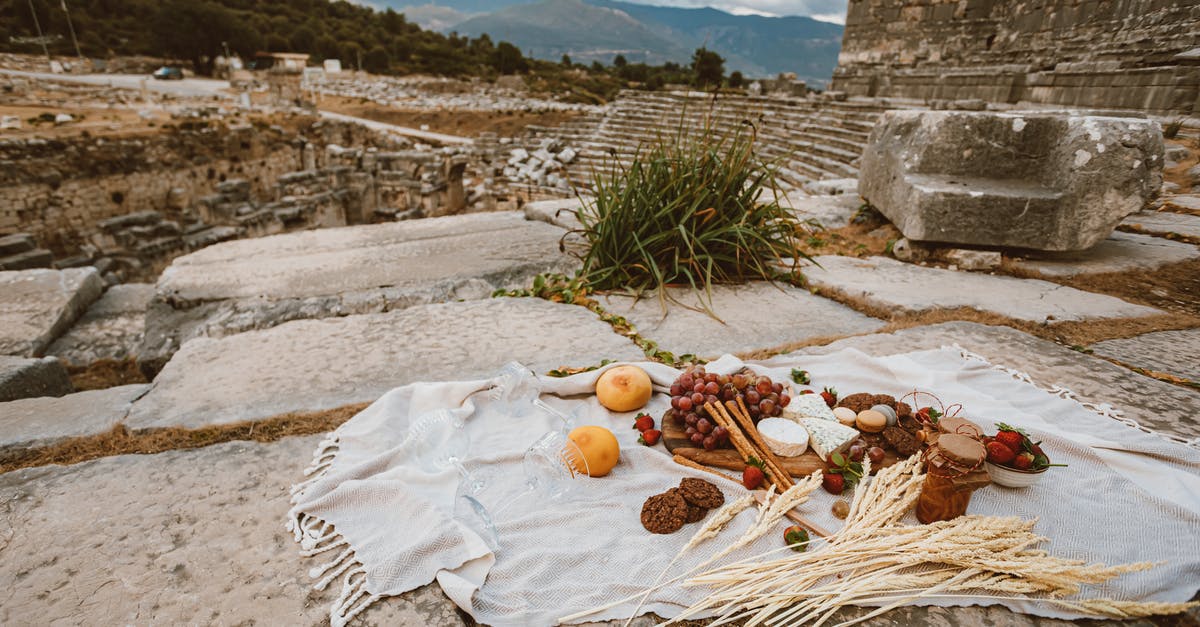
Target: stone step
[
  {"x": 101, "y": 547},
  {"x": 27, "y": 377},
  {"x": 308, "y": 365},
  {"x": 896, "y": 286},
  {"x": 1120, "y": 252},
  {"x": 36, "y": 258},
  {"x": 257, "y": 283},
  {"x": 16, "y": 243},
  {"x": 37, "y": 306},
  {"x": 752, "y": 316},
  {"x": 1165, "y": 223},
  {"x": 111, "y": 329},
  {"x": 1166, "y": 408},
  {"x": 35, "y": 422},
  {"x": 1176, "y": 353}
]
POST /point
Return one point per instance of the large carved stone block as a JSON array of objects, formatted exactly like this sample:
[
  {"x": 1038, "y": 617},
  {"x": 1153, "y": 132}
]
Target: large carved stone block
[{"x": 1024, "y": 180}]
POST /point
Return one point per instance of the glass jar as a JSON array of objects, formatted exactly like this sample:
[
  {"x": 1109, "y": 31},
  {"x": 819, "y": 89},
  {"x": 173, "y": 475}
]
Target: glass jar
[{"x": 953, "y": 470}]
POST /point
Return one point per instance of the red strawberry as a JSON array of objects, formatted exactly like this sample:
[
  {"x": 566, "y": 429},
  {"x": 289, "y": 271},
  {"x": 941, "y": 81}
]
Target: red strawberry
[
  {"x": 999, "y": 453},
  {"x": 796, "y": 537},
  {"x": 830, "y": 396},
  {"x": 753, "y": 476},
  {"x": 1023, "y": 461},
  {"x": 650, "y": 437},
  {"x": 643, "y": 422},
  {"x": 1011, "y": 439},
  {"x": 833, "y": 483}
]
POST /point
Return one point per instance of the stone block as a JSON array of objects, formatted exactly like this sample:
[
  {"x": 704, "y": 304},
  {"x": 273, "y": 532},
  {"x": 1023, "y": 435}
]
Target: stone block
[
  {"x": 37, "y": 306},
  {"x": 973, "y": 259},
  {"x": 1176, "y": 353},
  {"x": 22, "y": 377},
  {"x": 1023, "y": 180},
  {"x": 111, "y": 328},
  {"x": 16, "y": 243},
  {"x": 1121, "y": 252},
  {"x": 35, "y": 422}
]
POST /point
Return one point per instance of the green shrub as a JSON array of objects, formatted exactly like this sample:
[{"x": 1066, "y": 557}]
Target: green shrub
[
  {"x": 1171, "y": 129},
  {"x": 688, "y": 210}
]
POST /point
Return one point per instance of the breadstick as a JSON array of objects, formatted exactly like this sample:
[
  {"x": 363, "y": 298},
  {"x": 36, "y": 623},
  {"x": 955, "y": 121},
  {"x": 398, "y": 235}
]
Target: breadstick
[
  {"x": 743, "y": 445},
  {"x": 683, "y": 461},
  {"x": 747, "y": 424}
]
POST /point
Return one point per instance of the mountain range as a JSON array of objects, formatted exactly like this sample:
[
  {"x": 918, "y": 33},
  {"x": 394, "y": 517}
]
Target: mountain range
[{"x": 599, "y": 30}]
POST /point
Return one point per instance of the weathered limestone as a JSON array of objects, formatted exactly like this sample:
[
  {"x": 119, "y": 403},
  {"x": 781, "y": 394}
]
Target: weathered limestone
[
  {"x": 1155, "y": 404},
  {"x": 753, "y": 316},
  {"x": 111, "y": 328},
  {"x": 1166, "y": 223},
  {"x": 831, "y": 212},
  {"x": 254, "y": 284},
  {"x": 1023, "y": 180},
  {"x": 905, "y": 288},
  {"x": 1183, "y": 202},
  {"x": 1121, "y": 252},
  {"x": 24, "y": 377},
  {"x": 34, "y": 422},
  {"x": 36, "y": 306},
  {"x": 1175, "y": 353},
  {"x": 308, "y": 365},
  {"x": 183, "y": 537},
  {"x": 560, "y": 212}
]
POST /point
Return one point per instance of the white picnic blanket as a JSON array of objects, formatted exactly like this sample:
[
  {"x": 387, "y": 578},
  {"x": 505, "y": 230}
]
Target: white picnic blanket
[{"x": 380, "y": 524}]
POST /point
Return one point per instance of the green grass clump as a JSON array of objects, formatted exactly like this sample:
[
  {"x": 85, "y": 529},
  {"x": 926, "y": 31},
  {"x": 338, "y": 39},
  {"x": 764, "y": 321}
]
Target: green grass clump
[{"x": 692, "y": 209}]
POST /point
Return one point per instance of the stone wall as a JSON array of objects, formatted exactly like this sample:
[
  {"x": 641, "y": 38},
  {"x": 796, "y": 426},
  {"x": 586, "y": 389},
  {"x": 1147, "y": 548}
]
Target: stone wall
[{"x": 1133, "y": 54}]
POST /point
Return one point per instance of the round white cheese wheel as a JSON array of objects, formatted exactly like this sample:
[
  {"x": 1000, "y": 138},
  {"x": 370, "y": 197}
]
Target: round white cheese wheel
[{"x": 784, "y": 437}]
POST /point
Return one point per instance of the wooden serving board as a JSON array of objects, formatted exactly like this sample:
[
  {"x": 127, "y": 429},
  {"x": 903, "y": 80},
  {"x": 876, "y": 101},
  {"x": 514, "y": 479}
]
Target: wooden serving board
[{"x": 677, "y": 443}]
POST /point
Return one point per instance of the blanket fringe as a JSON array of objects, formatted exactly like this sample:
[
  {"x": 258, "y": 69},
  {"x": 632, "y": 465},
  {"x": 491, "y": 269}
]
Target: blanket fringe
[
  {"x": 317, "y": 536},
  {"x": 323, "y": 458},
  {"x": 1104, "y": 409}
]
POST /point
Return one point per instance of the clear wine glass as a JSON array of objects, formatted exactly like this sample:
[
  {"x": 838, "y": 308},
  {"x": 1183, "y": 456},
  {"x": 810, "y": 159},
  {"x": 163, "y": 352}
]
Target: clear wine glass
[
  {"x": 516, "y": 387},
  {"x": 550, "y": 466},
  {"x": 441, "y": 442}
]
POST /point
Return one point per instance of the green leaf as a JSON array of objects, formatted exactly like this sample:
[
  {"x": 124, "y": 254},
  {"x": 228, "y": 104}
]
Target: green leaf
[{"x": 838, "y": 459}]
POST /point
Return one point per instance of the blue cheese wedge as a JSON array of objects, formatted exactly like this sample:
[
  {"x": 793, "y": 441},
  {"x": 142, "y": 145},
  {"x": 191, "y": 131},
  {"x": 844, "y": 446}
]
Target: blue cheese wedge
[
  {"x": 784, "y": 437},
  {"x": 808, "y": 406},
  {"x": 827, "y": 437}
]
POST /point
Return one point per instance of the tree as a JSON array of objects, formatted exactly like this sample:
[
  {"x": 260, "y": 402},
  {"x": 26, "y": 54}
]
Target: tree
[
  {"x": 508, "y": 59},
  {"x": 708, "y": 68},
  {"x": 620, "y": 61},
  {"x": 566, "y": 60},
  {"x": 377, "y": 60},
  {"x": 277, "y": 43},
  {"x": 736, "y": 80},
  {"x": 175, "y": 27},
  {"x": 304, "y": 40}
]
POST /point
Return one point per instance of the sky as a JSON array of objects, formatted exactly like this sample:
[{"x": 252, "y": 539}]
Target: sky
[{"x": 827, "y": 10}]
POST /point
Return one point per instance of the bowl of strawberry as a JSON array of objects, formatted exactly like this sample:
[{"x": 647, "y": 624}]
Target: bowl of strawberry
[{"x": 1014, "y": 460}]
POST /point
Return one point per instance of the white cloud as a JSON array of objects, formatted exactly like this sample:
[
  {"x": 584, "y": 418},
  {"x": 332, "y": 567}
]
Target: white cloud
[{"x": 825, "y": 10}]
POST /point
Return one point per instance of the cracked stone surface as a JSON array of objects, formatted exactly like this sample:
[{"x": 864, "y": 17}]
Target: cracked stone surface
[
  {"x": 26, "y": 377},
  {"x": 111, "y": 328},
  {"x": 1164, "y": 222},
  {"x": 1172, "y": 352},
  {"x": 755, "y": 315},
  {"x": 36, "y": 306},
  {"x": 182, "y": 537},
  {"x": 1155, "y": 404},
  {"x": 1186, "y": 202},
  {"x": 308, "y": 365},
  {"x": 907, "y": 288},
  {"x": 41, "y": 421},
  {"x": 1121, "y": 252},
  {"x": 257, "y": 283}
]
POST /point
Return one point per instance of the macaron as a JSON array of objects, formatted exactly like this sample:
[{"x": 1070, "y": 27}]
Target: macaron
[
  {"x": 871, "y": 421},
  {"x": 888, "y": 412},
  {"x": 845, "y": 415}
]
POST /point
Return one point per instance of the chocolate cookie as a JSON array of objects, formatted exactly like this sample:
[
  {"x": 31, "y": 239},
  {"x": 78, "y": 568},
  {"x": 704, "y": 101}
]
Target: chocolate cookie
[
  {"x": 695, "y": 513},
  {"x": 901, "y": 440},
  {"x": 664, "y": 513},
  {"x": 857, "y": 402},
  {"x": 701, "y": 493}
]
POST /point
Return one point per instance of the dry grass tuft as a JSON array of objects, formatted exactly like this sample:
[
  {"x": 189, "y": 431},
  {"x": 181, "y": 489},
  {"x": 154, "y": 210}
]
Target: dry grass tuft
[
  {"x": 106, "y": 373},
  {"x": 123, "y": 441}
]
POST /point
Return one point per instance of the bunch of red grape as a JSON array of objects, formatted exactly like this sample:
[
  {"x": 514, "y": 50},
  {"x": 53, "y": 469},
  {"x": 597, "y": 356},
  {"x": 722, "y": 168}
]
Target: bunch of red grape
[{"x": 695, "y": 387}]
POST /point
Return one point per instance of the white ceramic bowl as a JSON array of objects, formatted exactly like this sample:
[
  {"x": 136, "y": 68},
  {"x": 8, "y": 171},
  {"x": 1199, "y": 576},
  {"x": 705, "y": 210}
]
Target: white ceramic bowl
[{"x": 1013, "y": 478}]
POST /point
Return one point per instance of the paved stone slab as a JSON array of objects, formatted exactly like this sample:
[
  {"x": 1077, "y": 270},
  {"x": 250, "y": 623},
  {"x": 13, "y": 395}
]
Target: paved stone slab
[
  {"x": 831, "y": 212},
  {"x": 309, "y": 365},
  {"x": 757, "y": 315},
  {"x": 1164, "y": 222},
  {"x": 36, "y": 306},
  {"x": 907, "y": 288},
  {"x": 1188, "y": 202},
  {"x": 111, "y": 328},
  {"x": 22, "y": 377},
  {"x": 257, "y": 283},
  {"x": 1173, "y": 352},
  {"x": 183, "y": 537},
  {"x": 1155, "y": 404},
  {"x": 42, "y": 421},
  {"x": 1121, "y": 252}
]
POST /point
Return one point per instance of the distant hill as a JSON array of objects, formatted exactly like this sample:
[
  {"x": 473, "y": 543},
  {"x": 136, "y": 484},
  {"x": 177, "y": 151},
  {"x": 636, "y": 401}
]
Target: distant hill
[{"x": 589, "y": 30}]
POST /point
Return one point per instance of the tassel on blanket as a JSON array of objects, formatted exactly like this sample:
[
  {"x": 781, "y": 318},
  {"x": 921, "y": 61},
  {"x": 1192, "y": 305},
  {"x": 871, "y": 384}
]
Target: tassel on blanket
[
  {"x": 323, "y": 458},
  {"x": 1103, "y": 409},
  {"x": 353, "y": 588}
]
